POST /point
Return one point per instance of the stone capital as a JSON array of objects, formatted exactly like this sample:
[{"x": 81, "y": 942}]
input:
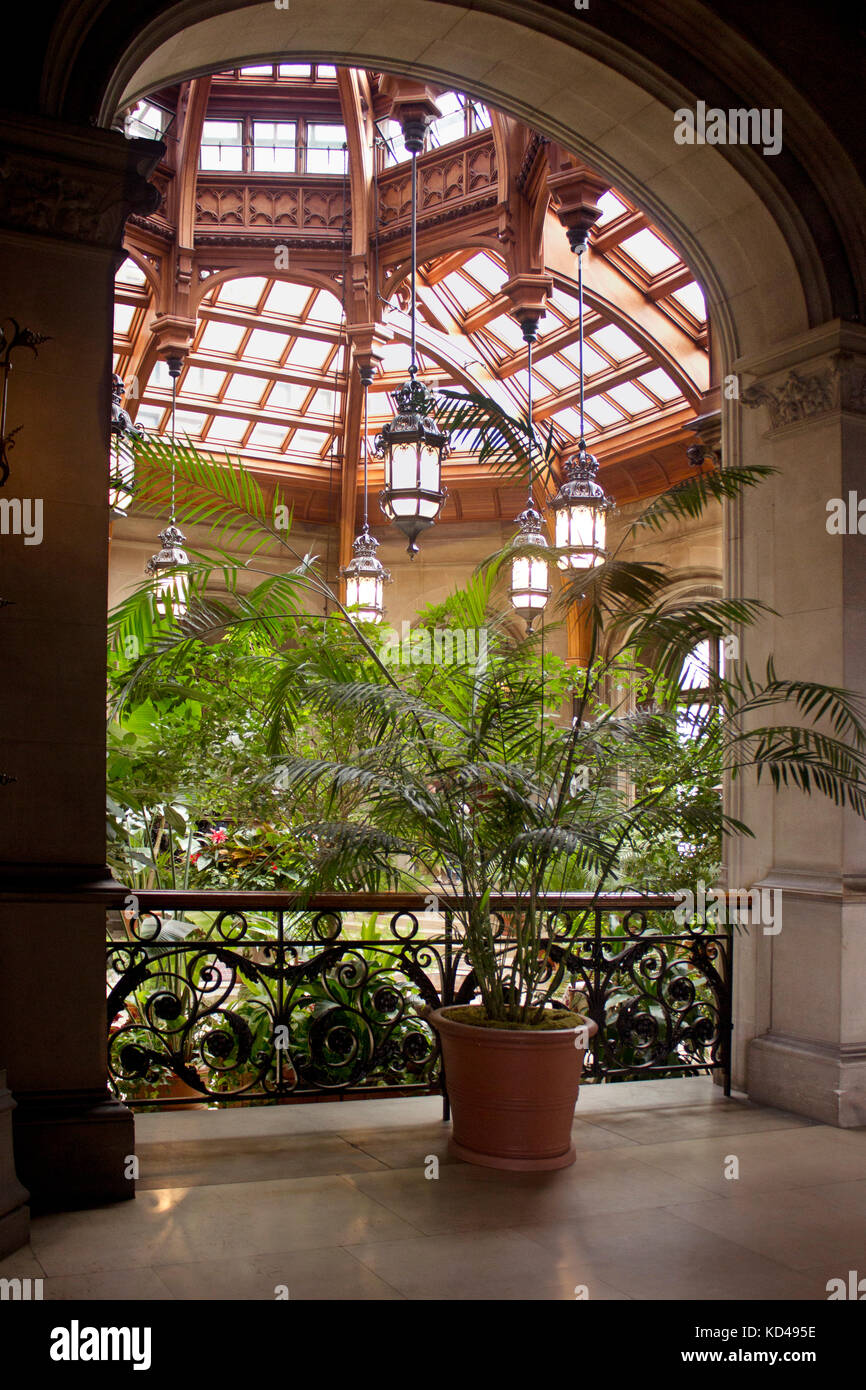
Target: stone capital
[
  {"x": 818, "y": 374},
  {"x": 71, "y": 184}
]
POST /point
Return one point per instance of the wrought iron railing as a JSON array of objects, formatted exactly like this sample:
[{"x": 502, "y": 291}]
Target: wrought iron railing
[{"x": 241, "y": 997}]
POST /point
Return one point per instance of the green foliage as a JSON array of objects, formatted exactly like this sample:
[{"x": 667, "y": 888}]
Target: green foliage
[{"x": 257, "y": 734}]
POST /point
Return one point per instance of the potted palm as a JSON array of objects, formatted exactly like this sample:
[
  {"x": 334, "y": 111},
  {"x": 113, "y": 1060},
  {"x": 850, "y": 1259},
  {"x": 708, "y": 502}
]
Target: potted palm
[{"x": 466, "y": 780}]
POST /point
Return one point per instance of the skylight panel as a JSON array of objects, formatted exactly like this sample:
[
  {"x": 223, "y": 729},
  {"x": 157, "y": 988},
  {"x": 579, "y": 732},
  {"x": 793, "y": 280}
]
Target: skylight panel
[
  {"x": 567, "y": 304},
  {"x": 221, "y": 337},
  {"x": 131, "y": 274},
  {"x": 149, "y": 417},
  {"x": 539, "y": 387},
  {"x": 396, "y": 358},
  {"x": 159, "y": 377},
  {"x": 246, "y": 292},
  {"x": 602, "y": 412},
  {"x": 202, "y": 381},
  {"x": 189, "y": 422},
  {"x": 592, "y": 361},
  {"x": 568, "y": 421},
  {"x": 288, "y": 298},
  {"x": 611, "y": 208},
  {"x": 123, "y": 316},
  {"x": 487, "y": 271},
  {"x": 258, "y": 70},
  {"x": 288, "y": 395},
  {"x": 268, "y": 436},
  {"x": 466, "y": 295},
  {"x": 630, "y": 397},
  {"x": 660, "y": 384},
  {"x": 307, "y": 442},
  {"x": 322, "y": 403},
  {"x": 613, "y": 341},
  {"x": 326, "y": 308},
  {"x": 265, "y": 345},
  {"x": 295, "y": 69},
  {"x": 559, "y": 374},
  {"x": 649, "y": 251},
  {"x": 227, "y": 431},
  {"x": 325, "y": 70},
  {"x": 246, "y": 388},
  {"x": 507, "y": 331},
  {"x": 310, "y": 353},
  {"x": 691, "y": 297}
]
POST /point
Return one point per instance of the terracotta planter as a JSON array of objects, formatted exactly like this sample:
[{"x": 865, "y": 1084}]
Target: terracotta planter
[{"x": 512, "y": 1093}]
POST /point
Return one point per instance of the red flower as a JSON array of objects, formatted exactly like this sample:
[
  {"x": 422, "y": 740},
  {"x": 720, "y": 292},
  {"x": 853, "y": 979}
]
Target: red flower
[
  {"x": 194, "y": 858},
  {"x": 218, "y": 837}
]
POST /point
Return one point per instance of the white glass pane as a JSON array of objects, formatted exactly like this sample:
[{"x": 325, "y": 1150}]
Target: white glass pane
[
  {"x": 603, "y": 412},
  {"x": 268, "y": 436},
  {"x": 287, "y": 298},
  {"x": 222, "y": 337},
  {"x": 614, "y": 342},
  {"x": 123, "y": 315},
  {"x": 309, "y": 352},
  {"x": 227, "y": 157},
  {"x": 307, "y": 442},
  {"x": 660, "y": 384},
  {"x": 649, "y": 251},
  {"x": 611, "y": 207},
  {"x": 288, "y": 395},
  {"x": 188, "y": 422},
  {"x": 487, "y": 271},
  {"x": 245, "y": 292},
  {"x": 696, "y": 669},
  {"x": 246, "y": 388},
  {"x": 227, "y": 431},
  {"x": 691, "y": 297},
  {"x": 130, "y": 274},
  {"x": 268, "y": 346},
  {"x": 294, "y": 69},
  {"x": 404, "y": 468},
  {"x": 630, "y": 397},
  {"x": 202, "y": 382}
]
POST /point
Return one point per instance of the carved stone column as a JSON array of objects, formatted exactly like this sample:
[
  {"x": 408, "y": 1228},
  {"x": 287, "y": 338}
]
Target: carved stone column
[
  {"x": 64, "y": 196},
  {"x": 799, "y": 997}
]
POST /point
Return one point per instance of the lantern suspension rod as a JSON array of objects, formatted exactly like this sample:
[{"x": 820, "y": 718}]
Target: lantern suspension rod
[
  {"x": 413, "y": 253},
  {"x": 366, "y": 426},
  {"x": 175, "y": 366},
  {"x": 580, "y": 250}
]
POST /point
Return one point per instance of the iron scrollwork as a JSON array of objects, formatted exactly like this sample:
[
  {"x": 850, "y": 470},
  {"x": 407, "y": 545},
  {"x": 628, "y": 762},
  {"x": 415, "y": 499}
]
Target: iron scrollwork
[{"x": 285, "y": 1005}]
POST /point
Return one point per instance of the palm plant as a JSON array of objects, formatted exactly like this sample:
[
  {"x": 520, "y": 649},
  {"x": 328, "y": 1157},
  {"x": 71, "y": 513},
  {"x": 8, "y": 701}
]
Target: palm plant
[{"x": 465, "y": 780}]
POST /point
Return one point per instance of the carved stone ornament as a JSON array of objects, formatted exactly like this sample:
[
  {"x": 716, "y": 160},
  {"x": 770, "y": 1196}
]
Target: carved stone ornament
[
  {"x": 804, "y": 395},
  {"x": 37, "y": 197}
]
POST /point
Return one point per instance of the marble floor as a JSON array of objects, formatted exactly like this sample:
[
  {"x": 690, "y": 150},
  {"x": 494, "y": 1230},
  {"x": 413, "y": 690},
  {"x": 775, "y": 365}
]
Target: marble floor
[{"x": 339, "y": 1201}]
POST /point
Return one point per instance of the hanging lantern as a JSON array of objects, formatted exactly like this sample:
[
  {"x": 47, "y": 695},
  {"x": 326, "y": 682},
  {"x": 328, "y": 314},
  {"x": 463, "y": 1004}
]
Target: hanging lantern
[
  {"x": 530, "y": 572},
  {"x": 579, "y": 508},
  {"x": 124, "y": 435},
  {"x": 365, "y": 577},
  {"x": 413, "y": 449},
  {"x": 172, "y": 585}
]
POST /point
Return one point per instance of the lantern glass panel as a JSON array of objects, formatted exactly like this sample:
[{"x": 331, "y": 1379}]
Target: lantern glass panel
[{"x": 404, "y": 468}]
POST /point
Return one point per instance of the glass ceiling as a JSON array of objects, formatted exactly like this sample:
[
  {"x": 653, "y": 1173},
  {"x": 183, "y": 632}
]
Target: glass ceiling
[{"x": 266, "y": 377}]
